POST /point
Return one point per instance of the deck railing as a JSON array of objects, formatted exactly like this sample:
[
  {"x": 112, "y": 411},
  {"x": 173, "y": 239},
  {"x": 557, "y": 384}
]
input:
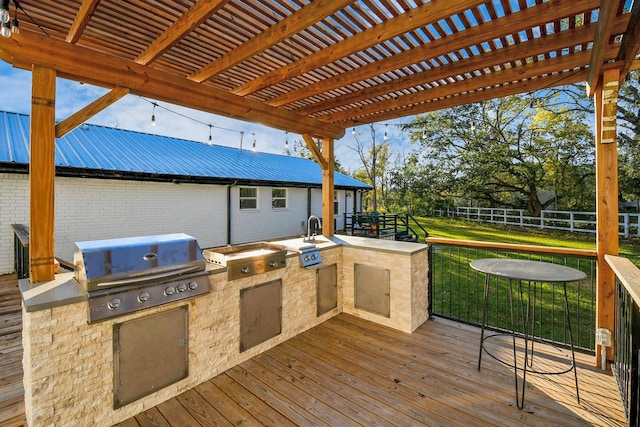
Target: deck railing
[
  {"x": 626, "y": 337},
  {"x": 21, "y": 250},
  {"x": 383, "y": 226},
  {"x": 456, "y": 290}
]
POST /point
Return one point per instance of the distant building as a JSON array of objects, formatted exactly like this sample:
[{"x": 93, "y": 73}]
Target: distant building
[{"x": 116, "y": 183}]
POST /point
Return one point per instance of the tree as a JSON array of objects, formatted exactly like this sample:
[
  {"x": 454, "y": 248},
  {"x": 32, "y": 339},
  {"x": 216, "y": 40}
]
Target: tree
[
  {"x": 629, "y": 137},
  {"x": 414, "y": 187},
  {"x": 374, "y": 157},
  {"x": 506, "y": 152}
]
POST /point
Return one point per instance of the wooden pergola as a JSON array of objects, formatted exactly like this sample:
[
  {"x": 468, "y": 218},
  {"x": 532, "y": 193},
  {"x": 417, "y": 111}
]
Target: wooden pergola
[{"x": 319, "y": 67}]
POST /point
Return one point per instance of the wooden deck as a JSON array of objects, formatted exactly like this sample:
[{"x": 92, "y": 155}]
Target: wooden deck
[
  {"x": 348, "y": 371},
  {"x": 11, "y": 388}
]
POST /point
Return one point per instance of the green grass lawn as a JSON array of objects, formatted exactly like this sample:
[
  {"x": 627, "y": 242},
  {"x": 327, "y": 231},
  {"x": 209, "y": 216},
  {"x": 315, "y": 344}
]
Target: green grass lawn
[
  {"x": 471, "y": 230},
  {"x": 457, "y": 289}
]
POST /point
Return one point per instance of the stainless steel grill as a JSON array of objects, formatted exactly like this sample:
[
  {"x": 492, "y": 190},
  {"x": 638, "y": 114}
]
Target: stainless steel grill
[{"x": 130, "y": 274}]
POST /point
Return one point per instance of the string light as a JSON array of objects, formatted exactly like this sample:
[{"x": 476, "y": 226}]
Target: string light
[
  {"x": 14, "y": 28},
  {"x": 15, "y": 25},
  {"x": 4, "y": 11},
  {"x": 385, "y": 132},
  {"x": 424, "y": 134},
  {"x": 5, "y": 19},
  {"x": 353, "y": 131},
  {"x": 153, "y": 114},
  {"x": 210, "y": 138},
  {"x": 254, "y": 142},
  {"x": 286, "y": 141}
]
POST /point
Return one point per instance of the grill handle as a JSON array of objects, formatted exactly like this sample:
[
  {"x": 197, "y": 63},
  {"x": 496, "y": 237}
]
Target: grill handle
[{"x": 159, "y": 276}]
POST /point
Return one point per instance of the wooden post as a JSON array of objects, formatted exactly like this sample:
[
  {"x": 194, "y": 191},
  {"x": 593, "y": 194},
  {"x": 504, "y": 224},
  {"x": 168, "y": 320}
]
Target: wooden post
[
  {"x": 42, "y": 175},
  {"x": 605, "y": 100},
  {"x": 328, "y": 192}
]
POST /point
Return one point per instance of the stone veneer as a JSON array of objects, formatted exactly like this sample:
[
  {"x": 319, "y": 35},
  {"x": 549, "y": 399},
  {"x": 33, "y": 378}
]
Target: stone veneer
[
  {"x": 408, "y": 286},
  {"x": 68, "y": 363}
]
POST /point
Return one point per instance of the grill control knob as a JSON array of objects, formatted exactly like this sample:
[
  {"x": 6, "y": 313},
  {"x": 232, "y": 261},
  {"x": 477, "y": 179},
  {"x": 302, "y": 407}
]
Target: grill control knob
[
  {"x": 245, "y": 270},
  {"x": 193, "y": 285},
  {"x": 314, "y": 256},
  {"x": 114, "y": 304},
  {"x": 273, "y": 264},
  {"x": 170, "y": 291},
  {"x": 182, "y": 287},
  {"x": 307, "y": 258},
  {"x": 144, "y": 296}
]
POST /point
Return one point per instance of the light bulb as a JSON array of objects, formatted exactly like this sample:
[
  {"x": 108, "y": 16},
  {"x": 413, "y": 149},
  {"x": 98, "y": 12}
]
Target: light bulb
[
  {"x": 4, "y": 11},
  {"x": 353, "y": 131},
  {"x": 153, "y": 120},
  {"x": 15, "y": 27},
  {"x": 6, "y": 30}
]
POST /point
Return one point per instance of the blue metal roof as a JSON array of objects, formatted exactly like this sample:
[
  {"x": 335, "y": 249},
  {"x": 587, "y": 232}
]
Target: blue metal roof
[{"x": 97, "y": 148}]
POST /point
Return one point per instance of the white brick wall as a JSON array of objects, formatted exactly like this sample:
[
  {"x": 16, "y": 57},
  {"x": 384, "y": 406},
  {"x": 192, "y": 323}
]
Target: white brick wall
[
  {"x": 14, "y": 209},
  {"x": 90, "y": 209},
  {"x": 265, "y": 223}
]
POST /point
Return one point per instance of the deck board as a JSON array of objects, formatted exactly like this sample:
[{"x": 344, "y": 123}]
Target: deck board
[
  {"x": 348, "y": 371},
  {"x": 11, "y": 387}
]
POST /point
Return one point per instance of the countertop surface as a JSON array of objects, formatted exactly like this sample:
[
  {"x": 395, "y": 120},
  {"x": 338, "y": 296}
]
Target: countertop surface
[{"x": 322, "y": 242}]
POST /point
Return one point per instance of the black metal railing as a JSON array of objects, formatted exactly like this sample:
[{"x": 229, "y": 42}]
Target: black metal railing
[
  {"x": 456, "y": 290},
  {"x": 21, "y": 250},
  {"x": 627, "y": 336},
  {"x": 382, "y": 225}
]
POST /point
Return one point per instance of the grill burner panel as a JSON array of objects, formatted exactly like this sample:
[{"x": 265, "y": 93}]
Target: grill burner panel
[
  {"x": 116, "y": 302},
  {"x": 248, "y": 260},
  {"x": 310, "y": 257}
]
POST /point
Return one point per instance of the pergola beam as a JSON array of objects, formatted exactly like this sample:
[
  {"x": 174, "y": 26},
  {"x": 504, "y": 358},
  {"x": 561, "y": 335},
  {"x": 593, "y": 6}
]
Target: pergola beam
[
  {"x": 360, "y": 41},
  {"x": 90, "y": 110},
  {"x": 42, "y": 175},
  {"x": 90, "y": 66},
  {"x": 489, "y": 59},
  {"x": 606, "y": 18},
  {"x": 630, "y": 42},
  {"x": 605, "y": 99},
  {"x": 294, "y": 23},
  {"x": 192, "y": 18},
  {"x": 527, "y": 71},
  {"x": 313, "y": 147},
  {"x": 81, "y": 20},
  {"x": 493, "y": 29}
]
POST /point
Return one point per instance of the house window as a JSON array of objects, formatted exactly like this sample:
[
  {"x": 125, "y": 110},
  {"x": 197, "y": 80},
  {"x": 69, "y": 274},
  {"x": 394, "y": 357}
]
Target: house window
[
  {"x": 248, "y": 198},
  {"x": 279, "y": 198}
]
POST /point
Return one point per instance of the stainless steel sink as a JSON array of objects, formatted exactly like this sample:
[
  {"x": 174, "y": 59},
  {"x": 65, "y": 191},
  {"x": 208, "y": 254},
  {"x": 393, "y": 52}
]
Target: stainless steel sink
[{"x": 249, "y": 259}]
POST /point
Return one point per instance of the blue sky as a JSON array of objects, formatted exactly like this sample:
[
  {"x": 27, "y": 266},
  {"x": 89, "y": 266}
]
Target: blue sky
[{"x": 134, "y": 113}]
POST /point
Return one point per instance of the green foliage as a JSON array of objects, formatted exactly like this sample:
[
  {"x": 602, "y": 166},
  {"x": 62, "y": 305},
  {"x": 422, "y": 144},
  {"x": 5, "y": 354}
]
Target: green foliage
[
  {"x": 505, "y": 152},
  {"x": 629, "y": 137}
]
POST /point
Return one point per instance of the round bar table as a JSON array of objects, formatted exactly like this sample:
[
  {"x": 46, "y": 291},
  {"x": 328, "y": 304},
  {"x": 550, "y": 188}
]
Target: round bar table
[{"x": 536, "y": 272}]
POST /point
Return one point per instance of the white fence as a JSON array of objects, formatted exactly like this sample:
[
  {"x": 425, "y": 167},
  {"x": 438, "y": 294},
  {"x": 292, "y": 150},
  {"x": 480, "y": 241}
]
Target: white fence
[{"x": 628, "y": 223}]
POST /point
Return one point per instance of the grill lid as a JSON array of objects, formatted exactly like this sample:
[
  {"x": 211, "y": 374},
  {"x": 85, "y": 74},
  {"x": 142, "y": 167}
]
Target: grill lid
[{"x": 106, "y": 263}]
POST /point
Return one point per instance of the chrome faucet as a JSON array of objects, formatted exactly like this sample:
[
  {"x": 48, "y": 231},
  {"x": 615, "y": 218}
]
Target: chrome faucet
[{"x": 311, "y": 238}]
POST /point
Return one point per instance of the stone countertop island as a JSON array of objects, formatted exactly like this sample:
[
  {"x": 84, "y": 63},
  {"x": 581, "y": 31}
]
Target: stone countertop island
[{"x": 69, "y": 363}]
